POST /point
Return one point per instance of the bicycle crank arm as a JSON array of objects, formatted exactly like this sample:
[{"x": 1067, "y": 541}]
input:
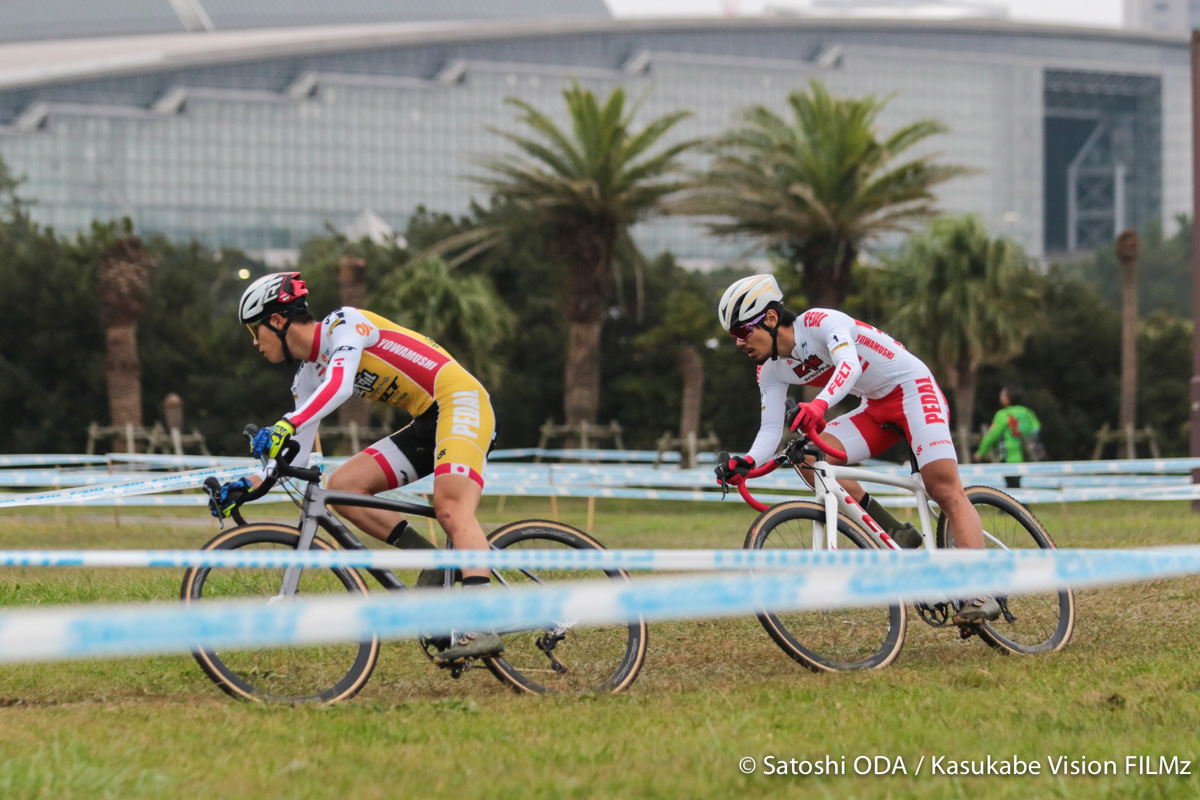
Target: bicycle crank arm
[{"x": 1008, "y": 615}]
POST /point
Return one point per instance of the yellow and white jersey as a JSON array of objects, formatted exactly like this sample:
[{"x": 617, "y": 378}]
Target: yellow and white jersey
[{"x": 357, "y": 352}]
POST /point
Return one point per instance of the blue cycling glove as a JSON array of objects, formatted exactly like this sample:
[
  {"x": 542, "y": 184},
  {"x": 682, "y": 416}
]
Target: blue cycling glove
[
  {"x": 227, "y": 500},
  {"x": 270, "y": 440}
]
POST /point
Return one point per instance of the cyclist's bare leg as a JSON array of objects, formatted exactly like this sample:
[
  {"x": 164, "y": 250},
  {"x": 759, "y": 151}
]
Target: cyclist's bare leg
[
  {"x": 455, "y": 499},
  {"x": 363, "y": 475},
  {"x": 945, "y": 488}
]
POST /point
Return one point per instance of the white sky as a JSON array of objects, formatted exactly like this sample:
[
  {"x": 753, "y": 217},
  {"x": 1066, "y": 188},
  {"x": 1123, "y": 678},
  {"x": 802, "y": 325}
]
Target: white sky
[{"x": 1100, "y": 13}]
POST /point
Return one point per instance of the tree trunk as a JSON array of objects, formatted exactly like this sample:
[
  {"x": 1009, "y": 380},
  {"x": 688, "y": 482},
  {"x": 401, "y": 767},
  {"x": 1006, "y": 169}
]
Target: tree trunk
[
  {"x": 581, "y": 379},
  {"x": 587, "y": 256},
  {"x": 124, "y": 379},
  {"x": 1127, "y": 247},
  {"x": 352, "y": 283},
  {"x": 965, "y": 380},
  {"x": 825, "y": 273},
  {"x": 122, "y": 286},
  {"x": 692, "y": 370}
]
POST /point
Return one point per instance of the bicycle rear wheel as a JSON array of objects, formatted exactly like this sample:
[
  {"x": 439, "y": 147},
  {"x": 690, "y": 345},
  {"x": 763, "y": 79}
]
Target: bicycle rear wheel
[
  {"x": 833, "y": 639},
  {"x": 567, "y": 657},
  {"x": 1033, "y": 623},
  {"x": 321, "y": 673}
]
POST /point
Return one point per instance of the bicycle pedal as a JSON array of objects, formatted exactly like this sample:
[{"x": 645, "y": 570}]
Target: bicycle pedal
[{"x": 446, "y": 663}]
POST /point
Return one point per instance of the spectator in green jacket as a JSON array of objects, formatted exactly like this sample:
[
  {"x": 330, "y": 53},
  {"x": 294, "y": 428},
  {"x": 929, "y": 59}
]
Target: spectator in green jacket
[{"x": 1015, "y": 430}]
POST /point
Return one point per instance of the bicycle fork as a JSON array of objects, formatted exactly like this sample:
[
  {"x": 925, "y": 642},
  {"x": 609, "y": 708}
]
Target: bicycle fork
[{"x": 291, "y": 575}]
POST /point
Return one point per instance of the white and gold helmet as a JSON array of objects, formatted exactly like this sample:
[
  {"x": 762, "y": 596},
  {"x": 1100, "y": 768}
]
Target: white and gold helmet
[{"x": 747, "y": 300}]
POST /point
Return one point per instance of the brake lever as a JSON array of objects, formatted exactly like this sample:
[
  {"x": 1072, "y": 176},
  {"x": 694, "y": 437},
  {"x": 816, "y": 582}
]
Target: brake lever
[
  {"x": 251, "y": 432},
  {"x": 212, "y": 487}
]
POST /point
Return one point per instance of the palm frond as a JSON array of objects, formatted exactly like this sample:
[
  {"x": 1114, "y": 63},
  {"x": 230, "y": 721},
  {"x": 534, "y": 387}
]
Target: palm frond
[{"x": 824, "y": 172}]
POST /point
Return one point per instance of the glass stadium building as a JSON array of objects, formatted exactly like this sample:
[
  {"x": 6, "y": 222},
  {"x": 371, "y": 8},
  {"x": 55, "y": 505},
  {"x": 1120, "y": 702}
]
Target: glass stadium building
[{"x": 200, "y": 118}]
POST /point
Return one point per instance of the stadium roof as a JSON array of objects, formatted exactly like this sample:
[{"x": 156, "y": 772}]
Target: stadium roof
[
  {"x": 31, "y": 20},
  {"x": 26, "y": 64}
]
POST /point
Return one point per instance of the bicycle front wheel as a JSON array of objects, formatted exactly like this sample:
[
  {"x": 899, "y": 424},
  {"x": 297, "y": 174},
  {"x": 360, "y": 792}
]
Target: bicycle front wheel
[
  {"x": 833, "y": 639},
  {"x": 1032, "y": 623},
  {"x": 320, "y": 673},
  {"x": 568, "y": 656}
]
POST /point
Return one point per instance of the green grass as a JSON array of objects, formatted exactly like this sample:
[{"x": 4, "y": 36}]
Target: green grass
[{"x": 711, "y": 692}]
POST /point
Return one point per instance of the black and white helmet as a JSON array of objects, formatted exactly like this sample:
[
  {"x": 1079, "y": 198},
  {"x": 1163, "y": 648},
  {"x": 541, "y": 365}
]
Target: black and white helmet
[
  {"x": 278, "y": 293},
  {"x": 747, "y": 299}
]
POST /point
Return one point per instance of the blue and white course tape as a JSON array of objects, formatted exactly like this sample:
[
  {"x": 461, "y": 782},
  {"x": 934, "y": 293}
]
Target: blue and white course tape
[
  {"x": 1082, "y": 562},
  {"x": 108, "y": 631}
]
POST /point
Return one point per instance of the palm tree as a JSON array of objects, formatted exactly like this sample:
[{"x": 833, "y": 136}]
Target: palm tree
[
  {"x": 583, "y": 188},
  {"x": 815, "y": 189},
  {"x": 961, "y": 300},
  {"x": 462, "y": 313},
  {"x": 123, "y": 284}
]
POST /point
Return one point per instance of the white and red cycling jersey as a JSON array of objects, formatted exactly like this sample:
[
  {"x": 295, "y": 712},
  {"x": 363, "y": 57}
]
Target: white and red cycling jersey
[{"x": 847, "y": 357}]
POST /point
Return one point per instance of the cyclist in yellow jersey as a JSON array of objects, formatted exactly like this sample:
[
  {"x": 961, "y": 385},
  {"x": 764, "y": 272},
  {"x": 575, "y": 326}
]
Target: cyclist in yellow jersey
[{"x": 353, "y": 351}]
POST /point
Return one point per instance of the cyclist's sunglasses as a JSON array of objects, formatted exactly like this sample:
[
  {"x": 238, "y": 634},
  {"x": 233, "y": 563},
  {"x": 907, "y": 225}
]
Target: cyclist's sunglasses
[{"x": 740, "y": 332}]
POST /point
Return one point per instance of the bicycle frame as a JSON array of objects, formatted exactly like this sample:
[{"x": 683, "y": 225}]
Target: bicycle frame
[
  {"x": 319, "y": 498},
  {"x": 834, "y": 498}
]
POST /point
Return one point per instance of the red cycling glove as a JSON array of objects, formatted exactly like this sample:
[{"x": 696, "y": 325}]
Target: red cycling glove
[
  {"x": 733, "y": 470},
  {"x": 809, "y": 417}
]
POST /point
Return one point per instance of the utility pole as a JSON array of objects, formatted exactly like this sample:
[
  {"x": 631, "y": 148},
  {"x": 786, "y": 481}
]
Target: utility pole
[
  {"x": 1127, "y": 253},
  {"x": 1194, "y": 450}
]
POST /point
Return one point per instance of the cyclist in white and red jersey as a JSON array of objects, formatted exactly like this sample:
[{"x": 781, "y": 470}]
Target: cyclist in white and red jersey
[
  {"x": 842, "y": 356},
  {"x": 353, "y": 351}
]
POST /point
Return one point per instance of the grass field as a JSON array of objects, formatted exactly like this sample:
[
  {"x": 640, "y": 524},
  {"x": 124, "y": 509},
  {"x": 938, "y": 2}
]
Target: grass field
[{"x": 711, "y": 693}]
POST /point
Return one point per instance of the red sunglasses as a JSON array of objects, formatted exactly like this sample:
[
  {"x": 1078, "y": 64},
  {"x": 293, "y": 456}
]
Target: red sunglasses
[{"x": 740, "y": 332}]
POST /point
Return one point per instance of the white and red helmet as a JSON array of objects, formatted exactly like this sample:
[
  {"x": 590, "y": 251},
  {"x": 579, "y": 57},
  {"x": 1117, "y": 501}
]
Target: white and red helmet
[
  {"x": 748, "y": 298},
  {"x": 278, "y": 293}
]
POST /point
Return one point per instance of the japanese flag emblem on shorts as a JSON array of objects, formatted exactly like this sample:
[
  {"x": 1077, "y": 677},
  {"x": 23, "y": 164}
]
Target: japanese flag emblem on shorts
[{"x": 458, "y": 469}]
